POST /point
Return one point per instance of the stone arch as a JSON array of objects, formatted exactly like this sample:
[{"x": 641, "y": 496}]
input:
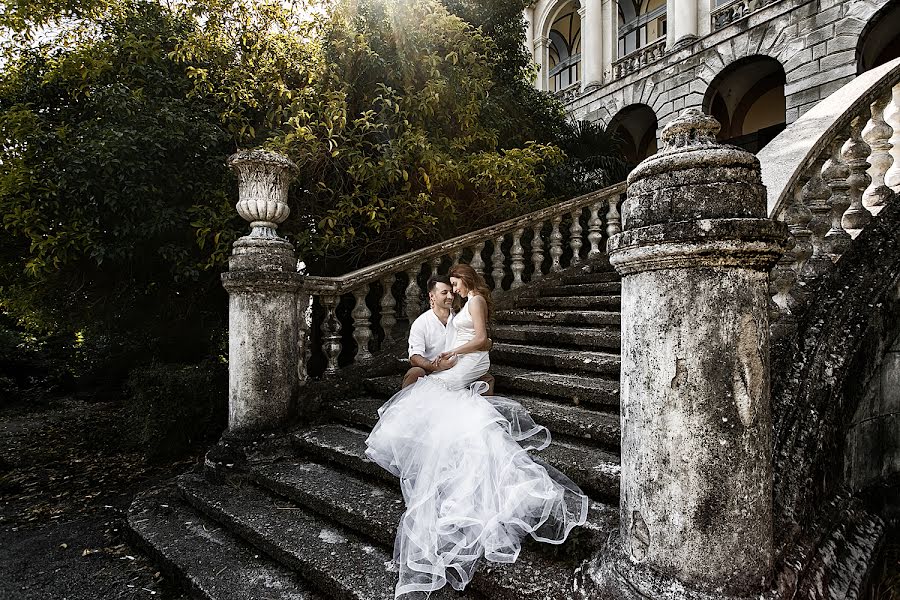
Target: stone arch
[
  {"x": 747, "y": 98},
  {"x": 879, "y": 41},
  {"x": 559, "y": 24},
  {"x": 636, "y": 127}
]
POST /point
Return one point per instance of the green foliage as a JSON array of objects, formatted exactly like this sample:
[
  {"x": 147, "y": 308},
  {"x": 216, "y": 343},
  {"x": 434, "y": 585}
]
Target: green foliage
[
  {"x": 172, "y": 407},
  {"x": 409, "y": 124}
]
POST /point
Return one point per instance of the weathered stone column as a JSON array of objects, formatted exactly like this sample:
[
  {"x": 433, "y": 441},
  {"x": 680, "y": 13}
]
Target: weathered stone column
[
  {"x": 682, "y": 23},
  {"x": 694, "y": 255},
  {"x": 263, "y": 313},
  {"x": 592, "y": 43}
]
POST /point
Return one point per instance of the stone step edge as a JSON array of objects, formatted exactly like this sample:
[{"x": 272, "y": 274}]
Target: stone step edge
[
  {"x": 495, "y": 581},
  {"x": 364, "y": 574},
  {"x": 210, "y": 569}
]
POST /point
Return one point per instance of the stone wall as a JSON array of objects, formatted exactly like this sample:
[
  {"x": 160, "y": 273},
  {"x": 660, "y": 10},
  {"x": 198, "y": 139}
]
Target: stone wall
[
  {"x": 814, "y": 41},
  {"x": 872, "y": 451}
]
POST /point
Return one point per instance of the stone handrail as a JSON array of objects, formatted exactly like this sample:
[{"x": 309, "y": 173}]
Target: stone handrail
[
  {"x": 828, "y": 174},
  {"x": 570, "y": 234}
]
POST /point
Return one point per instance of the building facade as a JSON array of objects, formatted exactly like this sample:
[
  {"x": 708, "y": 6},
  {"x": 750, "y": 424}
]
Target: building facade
[{"x": 755, "y": 65}]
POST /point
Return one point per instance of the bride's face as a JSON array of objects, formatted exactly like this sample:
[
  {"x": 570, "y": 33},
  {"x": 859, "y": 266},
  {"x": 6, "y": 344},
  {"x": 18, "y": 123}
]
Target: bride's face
[{"x": 459, "y": 286}]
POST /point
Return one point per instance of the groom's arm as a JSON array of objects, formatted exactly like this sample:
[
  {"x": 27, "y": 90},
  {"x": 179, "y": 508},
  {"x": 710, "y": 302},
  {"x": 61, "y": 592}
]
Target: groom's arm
[{"x": 417, "y": 348}]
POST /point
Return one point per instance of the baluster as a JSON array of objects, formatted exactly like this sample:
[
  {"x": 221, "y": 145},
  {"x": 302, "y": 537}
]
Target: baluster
[
  {"x": 877, "y": 134},
  {"x": 855, "y": 152},
  {"x": 556, "y": 250},
  {"x": 575, "y": 236},
  {"x": 457, "y": 256},
  {"x": 362, "y": 326},
  {"x": 518, "y": 259},
  {"x": 435, "y": 265},
  {"x": 477, "y": 262},
  {"x": 413, "y": 295},
  {"x": 304, "y": 347},
  {"x": 797, "y": 217},
  {"x": 497, "y": 260},
  {"x": 595, "y": 231},
  {"x": 835, "y": 174},
  {"x": 331, "y": 333},
  {"x": 613, "y": 218},
  {"x": 892, "y": 118},
  {"x": 537, "y": 251},
  {"x": 816, "y": 197},
  {"x": 388, "y": 314}
]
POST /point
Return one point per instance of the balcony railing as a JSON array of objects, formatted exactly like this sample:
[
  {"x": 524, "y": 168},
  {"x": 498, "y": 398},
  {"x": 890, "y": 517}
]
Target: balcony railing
[
  {"x": 723, "y": 16},
  {"x": 638, "y": 59}
]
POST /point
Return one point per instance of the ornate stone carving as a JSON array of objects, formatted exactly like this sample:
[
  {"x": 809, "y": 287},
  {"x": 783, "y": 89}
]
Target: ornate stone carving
[
  {"x": 263, "y": 182},
  {"x": 362, "y": 327},
  {"x": 556, "y": 250},
  {"x": 854, "y": 153},
  {"x": 575, "y": 242},
  {"x": 388, "y": 305},
  {"x": 537, "y": 252},
  {"x": 497, "y": 262},
  {"x": 877, "y": 133},
  {"x": 331, "y": 333},
  {"x": 518, "y": 259}
]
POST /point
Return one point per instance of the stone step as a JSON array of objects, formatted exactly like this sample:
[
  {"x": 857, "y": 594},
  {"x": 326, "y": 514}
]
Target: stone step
[
  {"x": 376, "y": 510},
  {"x": 601, "y": 428},
  {"x": 207, "y": 559},
  {"x": 603, "y": 288},
  {"x": 583, "y": 361},
  {"x": 595, "y": 470},
  {"x": 335, "y": 560},
  {"x": 607, "y": 302},
  {"x": 561, "y": 317},
  {"x": 602, "y": 276},
  {"x": 554, "y": 335},
  {"x": 575, "y": 388}
]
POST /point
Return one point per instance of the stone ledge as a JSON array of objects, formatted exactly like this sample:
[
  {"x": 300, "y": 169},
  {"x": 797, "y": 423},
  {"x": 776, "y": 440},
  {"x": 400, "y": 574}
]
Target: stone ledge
[{"x": 734, "y": 243}]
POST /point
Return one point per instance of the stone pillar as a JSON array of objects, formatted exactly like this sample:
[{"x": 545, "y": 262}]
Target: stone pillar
[
  {"x": 263, "y": 314},
  {"x": 694, "y": 255},
  {"x": 591, "y": 44},
  {"x": 541, "y": 56},
  {"x": 681, "y": 17},
  {"x": 609, "y": 36}
]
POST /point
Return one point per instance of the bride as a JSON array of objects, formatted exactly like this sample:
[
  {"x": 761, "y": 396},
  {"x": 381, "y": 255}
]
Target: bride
[{"x": 470, "y": 487}]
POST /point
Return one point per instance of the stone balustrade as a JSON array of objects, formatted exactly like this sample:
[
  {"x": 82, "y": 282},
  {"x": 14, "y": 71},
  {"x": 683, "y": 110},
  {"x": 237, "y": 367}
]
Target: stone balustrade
[
  {"x": 828, "y": 175},
  {"x": 637, "y": 60},
  {"x": 724, "y": 16},
  {"x": 385, "y": 296}
]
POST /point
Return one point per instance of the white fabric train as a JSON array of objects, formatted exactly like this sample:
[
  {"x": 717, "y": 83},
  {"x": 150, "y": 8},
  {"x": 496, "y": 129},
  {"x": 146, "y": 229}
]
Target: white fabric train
[{"x": 471, "y": 488}]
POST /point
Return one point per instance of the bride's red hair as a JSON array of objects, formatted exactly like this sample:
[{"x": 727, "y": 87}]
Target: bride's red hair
[{"x": 475, "y": 283}]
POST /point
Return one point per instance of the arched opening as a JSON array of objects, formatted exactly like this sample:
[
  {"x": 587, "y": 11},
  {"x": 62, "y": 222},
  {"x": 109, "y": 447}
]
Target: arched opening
[
  {"x": 635, "y": 127},
  {"x": 640, "y": 24},
  {"x": 747, "y": 98},
  {"x": 564, "y": 47},
  {"x": 880, "y": 40}
]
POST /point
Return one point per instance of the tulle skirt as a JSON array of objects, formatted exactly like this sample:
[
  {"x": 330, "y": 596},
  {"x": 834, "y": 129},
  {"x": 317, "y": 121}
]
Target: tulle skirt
[{"x": 470, "y": 487}]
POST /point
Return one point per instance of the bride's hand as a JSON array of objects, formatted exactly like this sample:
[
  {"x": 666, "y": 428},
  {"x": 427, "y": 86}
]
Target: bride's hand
[{"x": 449, "y": 355}]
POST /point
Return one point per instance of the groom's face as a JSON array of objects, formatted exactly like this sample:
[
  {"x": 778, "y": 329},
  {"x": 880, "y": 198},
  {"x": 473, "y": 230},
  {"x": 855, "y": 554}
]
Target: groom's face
[{"x": 442, "y": 296}]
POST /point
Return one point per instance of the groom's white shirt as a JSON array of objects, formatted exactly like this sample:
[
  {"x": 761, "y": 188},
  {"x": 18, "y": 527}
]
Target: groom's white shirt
[{"x": 428, "y": 337}]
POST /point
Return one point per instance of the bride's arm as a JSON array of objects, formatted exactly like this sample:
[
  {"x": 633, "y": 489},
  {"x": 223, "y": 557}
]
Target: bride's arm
[{"x": 478, "y": 312}]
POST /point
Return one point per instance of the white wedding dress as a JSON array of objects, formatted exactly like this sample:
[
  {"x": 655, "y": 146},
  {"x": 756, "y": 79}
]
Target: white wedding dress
[{"x": 470, "y": 487}]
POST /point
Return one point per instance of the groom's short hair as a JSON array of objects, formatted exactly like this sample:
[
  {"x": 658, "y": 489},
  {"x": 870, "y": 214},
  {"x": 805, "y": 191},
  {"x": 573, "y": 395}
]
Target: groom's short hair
[{"x": 436, "y": 279}]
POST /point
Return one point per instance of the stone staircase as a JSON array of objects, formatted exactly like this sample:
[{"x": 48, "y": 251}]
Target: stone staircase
[{"x": 310, "y": 517}]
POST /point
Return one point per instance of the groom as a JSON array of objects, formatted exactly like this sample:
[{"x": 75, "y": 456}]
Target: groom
[{"x": 432, "y": 332}]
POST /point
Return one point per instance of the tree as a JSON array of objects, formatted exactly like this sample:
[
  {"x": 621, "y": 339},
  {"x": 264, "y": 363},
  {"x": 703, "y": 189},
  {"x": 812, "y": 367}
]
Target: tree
[{"x": 116, "y": 117}]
